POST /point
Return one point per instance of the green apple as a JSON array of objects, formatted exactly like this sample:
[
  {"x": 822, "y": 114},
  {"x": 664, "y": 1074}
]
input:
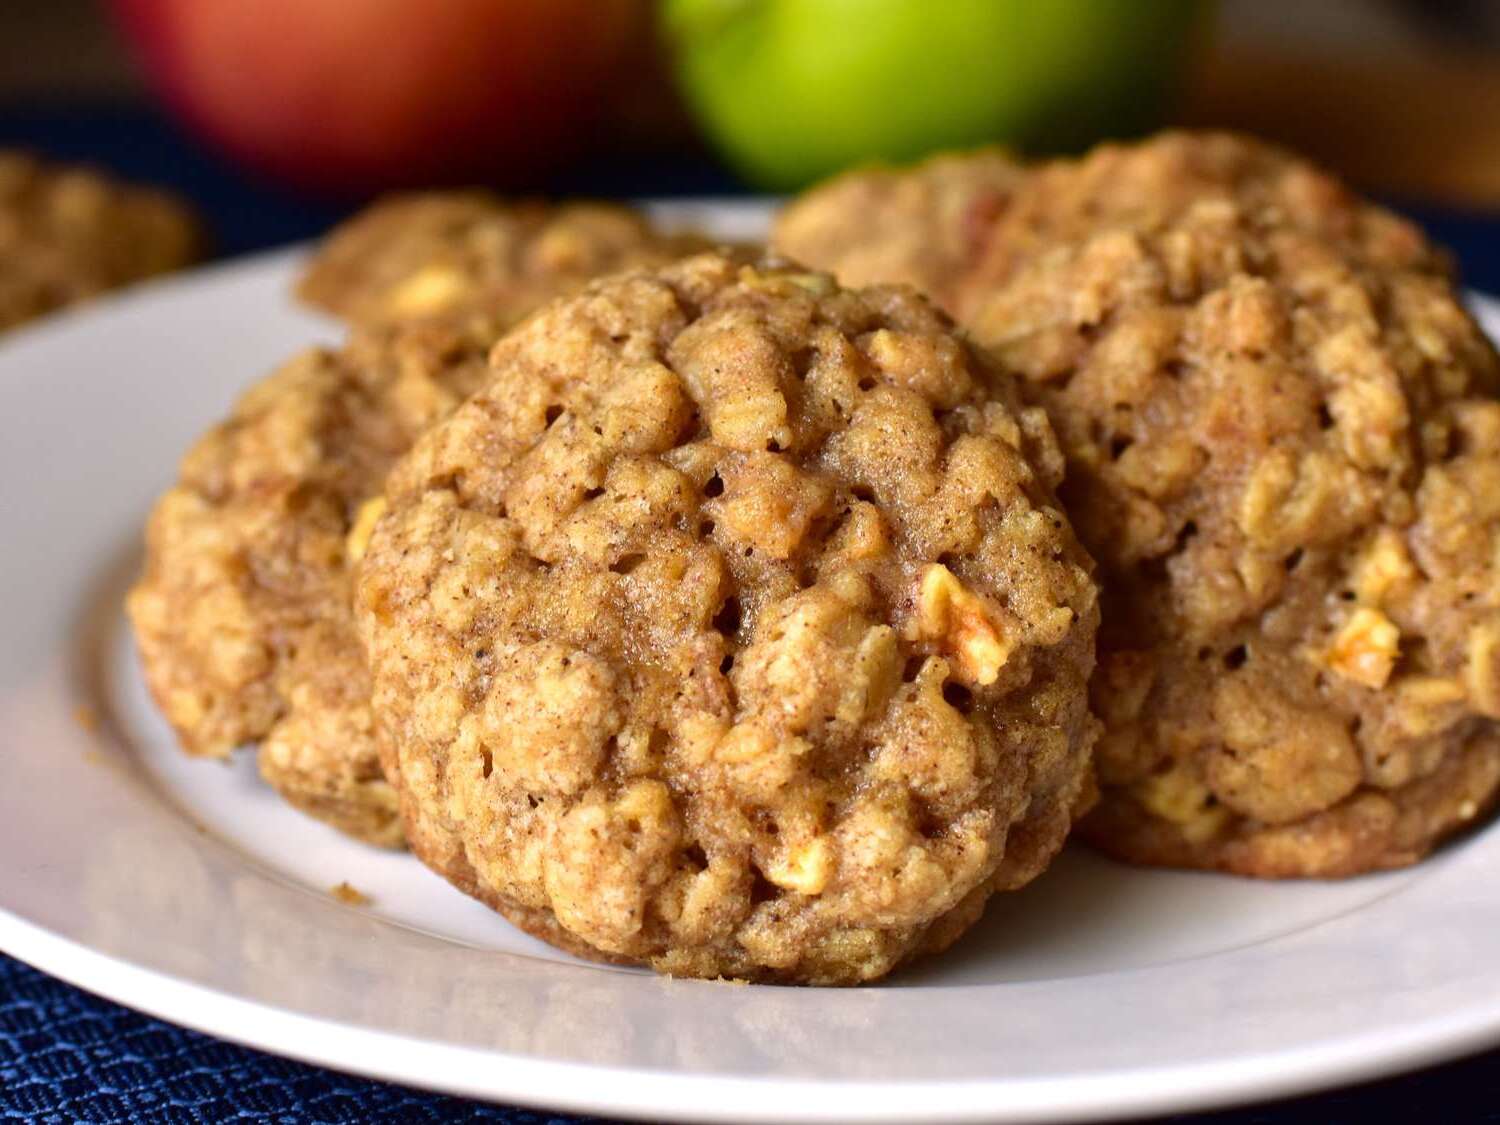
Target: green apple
[{"x": 792, "y": 90}]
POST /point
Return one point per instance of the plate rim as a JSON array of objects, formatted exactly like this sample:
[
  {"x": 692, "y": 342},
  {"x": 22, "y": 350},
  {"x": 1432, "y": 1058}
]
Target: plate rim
[{"x": 636, "y": 1093}]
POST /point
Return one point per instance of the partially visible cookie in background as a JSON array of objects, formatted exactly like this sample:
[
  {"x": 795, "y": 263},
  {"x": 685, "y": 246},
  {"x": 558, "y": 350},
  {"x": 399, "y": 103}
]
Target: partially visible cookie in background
[
  {"x": 242, "y": 616},
  {"x": 923, "y": 226},
  {"x": 733, "y": 629},
  {"x": 1282, "y": 431},
  {"x": 1153, "y": 183},
  {"x": 434, "y": 254},
  {"x": 68, "y": 234},
  {"x": 958, "y": 224}
]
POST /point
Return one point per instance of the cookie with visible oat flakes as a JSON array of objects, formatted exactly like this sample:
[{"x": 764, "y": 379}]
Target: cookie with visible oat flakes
[
  {"x": 243, "y": 616},
  {"x": 1281, "y": 434},
  {"x": 733, "y": 629},
  {"x": 1282, "y": 431},
  {"x": 1154, "y": 183}
]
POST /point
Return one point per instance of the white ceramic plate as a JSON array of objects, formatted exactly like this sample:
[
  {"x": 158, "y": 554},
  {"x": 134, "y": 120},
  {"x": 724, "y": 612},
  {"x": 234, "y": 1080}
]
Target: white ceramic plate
[{"x": 185, "y": 889}]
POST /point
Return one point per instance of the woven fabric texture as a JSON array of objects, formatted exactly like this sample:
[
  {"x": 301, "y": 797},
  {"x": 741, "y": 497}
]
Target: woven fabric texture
[{"x": 67, "y": 1056}]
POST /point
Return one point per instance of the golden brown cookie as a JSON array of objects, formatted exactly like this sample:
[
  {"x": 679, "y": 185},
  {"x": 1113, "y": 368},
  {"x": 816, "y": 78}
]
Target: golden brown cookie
[
  {"x": 1283, "y": 444},
  {"x": 1152, "y": 183},
  {"x": 733, "y": 629},
  {"x": 68, "y": 234},
  {"x": 923, "y": 226},
  {"x": 958, "y": 224},
  {"x": 1175, "y": 304},
  {"x": 243, "y": 615},
  {"x": 435, "y": 253}
]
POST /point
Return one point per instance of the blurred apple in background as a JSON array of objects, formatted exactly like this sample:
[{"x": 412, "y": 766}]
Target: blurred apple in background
[
  {"x": 348, "y": 97},
  {"x": 792, "y": 90}
]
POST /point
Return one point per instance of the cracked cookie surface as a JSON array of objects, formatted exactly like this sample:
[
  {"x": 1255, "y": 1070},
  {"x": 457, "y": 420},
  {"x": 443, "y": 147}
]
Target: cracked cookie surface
[{"x": 733, "y": 629}]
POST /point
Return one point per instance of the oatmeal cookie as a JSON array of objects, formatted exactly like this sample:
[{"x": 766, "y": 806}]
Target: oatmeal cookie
[
  {"x": 1153, "y": 183},
  {"x": 957, "y": 225},
  {"x": 243, "y": 615},
  {"x": 923, "y": 226},
  {"x": 68, "y": 234},
  {"x": 733, "y": 629},
  {"x": 1283, "y": 444},
  {"x": 437, "y": 253}
]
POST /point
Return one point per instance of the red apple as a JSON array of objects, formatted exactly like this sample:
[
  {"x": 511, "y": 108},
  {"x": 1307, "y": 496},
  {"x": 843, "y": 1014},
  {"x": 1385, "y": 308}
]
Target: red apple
[{"x": 352, "y": 96}]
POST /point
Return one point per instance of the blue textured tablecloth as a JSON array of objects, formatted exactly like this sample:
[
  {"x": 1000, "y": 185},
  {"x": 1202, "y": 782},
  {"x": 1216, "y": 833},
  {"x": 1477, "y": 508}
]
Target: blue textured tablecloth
[{"x": 67, "y": 1056}]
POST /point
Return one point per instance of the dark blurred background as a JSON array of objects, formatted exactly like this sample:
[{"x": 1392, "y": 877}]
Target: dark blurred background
[{"x": 1402, "y": 96}]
